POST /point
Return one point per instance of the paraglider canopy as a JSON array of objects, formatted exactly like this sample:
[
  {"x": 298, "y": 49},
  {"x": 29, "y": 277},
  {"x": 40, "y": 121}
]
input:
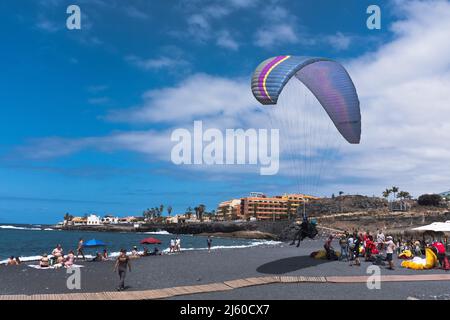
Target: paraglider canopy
[{"x": 325, "y": 78}]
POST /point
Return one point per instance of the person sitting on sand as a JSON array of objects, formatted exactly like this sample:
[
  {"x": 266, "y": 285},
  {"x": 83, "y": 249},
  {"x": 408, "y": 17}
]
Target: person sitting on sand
[
  {"x": 60, "y": 261},
  {"x": 98, "y": 257},
  {"x": 44, "y": 262},
  {"x": 11, "y": 261},
  {"x": 105, "y": 255},
  {"x": 135, "y": 252},
  {"x": 155, "y": 252},
  {"x": 145, "y": 253},
  {"x": 69, "y": 259},
  {"x": 331, "y": 254},
  {"x": 57, "y": 253}
]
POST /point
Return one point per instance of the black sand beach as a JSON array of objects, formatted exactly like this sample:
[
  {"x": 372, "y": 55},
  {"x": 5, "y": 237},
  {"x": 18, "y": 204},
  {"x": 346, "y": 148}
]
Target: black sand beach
[{"x": 201, "y": 267}]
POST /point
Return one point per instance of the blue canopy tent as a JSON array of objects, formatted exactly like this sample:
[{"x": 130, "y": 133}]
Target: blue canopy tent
[{"x": 94, "y": 243}]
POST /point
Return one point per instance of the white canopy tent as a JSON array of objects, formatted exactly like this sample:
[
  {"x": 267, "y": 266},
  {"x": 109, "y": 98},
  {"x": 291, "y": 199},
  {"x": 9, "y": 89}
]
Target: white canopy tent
[{"x": 436, "y": 227}]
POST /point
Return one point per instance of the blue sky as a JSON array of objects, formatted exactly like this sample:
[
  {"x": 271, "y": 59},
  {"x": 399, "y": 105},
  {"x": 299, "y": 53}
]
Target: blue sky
[{"x": 86, "y": 113}]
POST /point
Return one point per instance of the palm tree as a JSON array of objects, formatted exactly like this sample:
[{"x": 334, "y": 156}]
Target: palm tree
[
  {"x": 169, "y": 210},
  {"x": 161, "y": 209},
  {"x": 387, "y": 193},
  {"x": 68, "y": 217},
  {"x": 394, "y": 191},
  {"x": 201, "y": 210},
  {"x": 196, "y": 212},
  {"x": 403, "y": 195}
]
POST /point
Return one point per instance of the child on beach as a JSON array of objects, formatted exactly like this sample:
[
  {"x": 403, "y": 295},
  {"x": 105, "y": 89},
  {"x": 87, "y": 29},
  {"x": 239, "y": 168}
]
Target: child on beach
[
  {"x": 172, "y": 245},
  {"x": 209, "y": 242},
  {"x": 122, "y": 263}
]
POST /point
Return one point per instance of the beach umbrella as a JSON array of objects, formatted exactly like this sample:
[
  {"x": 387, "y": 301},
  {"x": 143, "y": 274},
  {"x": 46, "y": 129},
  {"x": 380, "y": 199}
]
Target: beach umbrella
[
  {"x": 150, "y": 241},
  {"x": 94, "y": 243}
]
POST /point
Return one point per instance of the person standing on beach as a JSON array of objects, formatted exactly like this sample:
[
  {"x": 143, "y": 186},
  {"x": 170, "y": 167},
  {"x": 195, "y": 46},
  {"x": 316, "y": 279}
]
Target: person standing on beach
[
  {"x": 178, "y": 244},
  {"x": 390, "y": 248},
  {"x": 380, "y": 239},
  {"x": 80, "y": 248},
  {"x": 122, "y": 263},
  {"x": 357, "y": 243},
  {"x": 209, "y": 243},
  {"x": 343, "y": 242}
]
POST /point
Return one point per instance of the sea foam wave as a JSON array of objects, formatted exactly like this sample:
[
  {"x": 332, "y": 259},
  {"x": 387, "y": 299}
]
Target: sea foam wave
[
  {"x": 157, "y": 232},
  {"x": 19, "y": 228},
  {"x": 115, "y": 254}
]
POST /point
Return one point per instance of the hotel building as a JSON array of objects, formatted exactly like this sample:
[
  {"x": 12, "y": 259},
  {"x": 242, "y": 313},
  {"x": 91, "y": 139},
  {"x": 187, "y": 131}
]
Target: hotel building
[{"x": 260, "y": 207}]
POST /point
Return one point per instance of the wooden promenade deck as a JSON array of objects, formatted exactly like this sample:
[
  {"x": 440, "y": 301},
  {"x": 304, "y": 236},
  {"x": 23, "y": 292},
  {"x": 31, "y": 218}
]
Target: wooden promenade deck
[{"x": 220, "y": 286}]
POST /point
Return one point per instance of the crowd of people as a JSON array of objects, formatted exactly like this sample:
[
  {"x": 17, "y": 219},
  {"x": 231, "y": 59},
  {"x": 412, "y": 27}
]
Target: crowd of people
[
  {"x": 59, "y": 259},
  {"x": 379, "y": 249}
]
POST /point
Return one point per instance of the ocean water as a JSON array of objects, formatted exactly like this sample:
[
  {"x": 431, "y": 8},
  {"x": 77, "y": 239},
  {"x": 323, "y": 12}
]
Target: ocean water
[{"x": 29, "y": 242}]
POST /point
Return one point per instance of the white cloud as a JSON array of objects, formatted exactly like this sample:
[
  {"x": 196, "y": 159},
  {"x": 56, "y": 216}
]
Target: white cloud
[
  {"x": 278, "y": 27},
  {"x": 134, "y": 12},
  {"x": 198, "y": 97},
  {"x": 225, "y": 40},
  {"x": 47, "y": 25},
  {"x": 99, "y": 100},
  {"x": 278, "y": 34},
  {"x": 162, "y": 62},
  {"x": 339, "y": 41}
]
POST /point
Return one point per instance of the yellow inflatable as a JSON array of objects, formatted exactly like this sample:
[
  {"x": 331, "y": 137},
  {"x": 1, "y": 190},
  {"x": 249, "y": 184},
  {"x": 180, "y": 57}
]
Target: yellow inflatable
[
  {"x": 405, "y": 254},
  {"x": 322, "y": 254},
  {"x": 417, "y": 263}
]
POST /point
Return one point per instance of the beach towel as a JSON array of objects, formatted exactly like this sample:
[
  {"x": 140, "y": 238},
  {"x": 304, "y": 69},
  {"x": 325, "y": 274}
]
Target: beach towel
[{"x": 36, "y": 266}]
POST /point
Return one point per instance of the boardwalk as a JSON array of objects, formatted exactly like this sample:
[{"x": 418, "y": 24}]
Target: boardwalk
[{"x": 221, "y": 286}]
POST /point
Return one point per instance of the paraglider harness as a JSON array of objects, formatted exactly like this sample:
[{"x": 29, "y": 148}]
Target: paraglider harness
[{"x": 307, "y": 228}]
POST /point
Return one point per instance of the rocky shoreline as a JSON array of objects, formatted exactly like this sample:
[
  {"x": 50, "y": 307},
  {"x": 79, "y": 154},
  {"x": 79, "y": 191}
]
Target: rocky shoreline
[{"x": 332, "y": 214}]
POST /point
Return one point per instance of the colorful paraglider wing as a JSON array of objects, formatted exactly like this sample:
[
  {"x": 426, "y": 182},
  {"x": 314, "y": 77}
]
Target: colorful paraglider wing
[{"x": 326, "y": 79}]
